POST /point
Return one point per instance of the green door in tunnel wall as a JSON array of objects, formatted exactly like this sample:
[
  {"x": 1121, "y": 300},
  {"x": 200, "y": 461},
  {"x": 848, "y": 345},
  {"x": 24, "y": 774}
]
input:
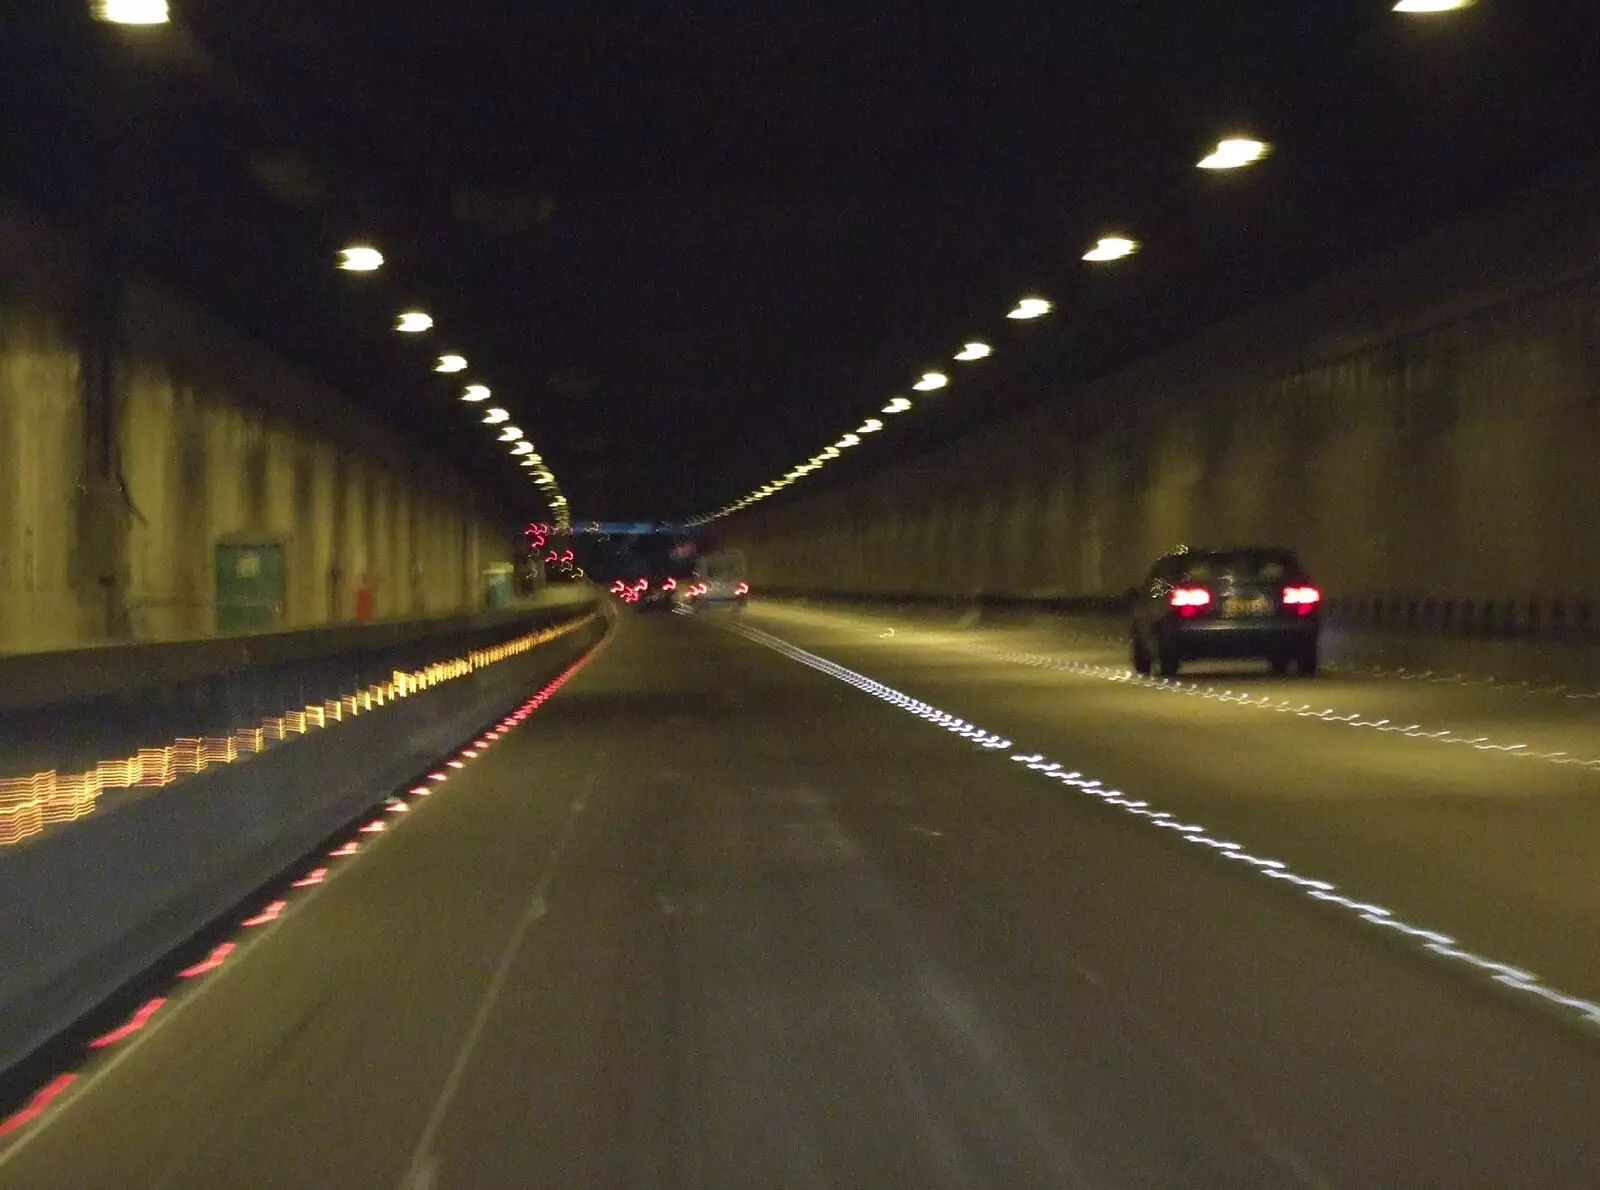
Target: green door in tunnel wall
[{"x": 250, "y": 586}]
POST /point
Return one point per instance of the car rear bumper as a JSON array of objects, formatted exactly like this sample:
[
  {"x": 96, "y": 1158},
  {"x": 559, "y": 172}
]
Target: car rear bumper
[{"x": 1232, "y": 639}]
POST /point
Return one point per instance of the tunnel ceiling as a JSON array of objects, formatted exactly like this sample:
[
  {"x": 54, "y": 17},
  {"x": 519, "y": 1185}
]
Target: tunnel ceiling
[{"x": 689, "y": 245}]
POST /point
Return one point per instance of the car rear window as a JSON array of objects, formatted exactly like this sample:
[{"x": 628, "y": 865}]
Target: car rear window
[{"x": 1247, "y": 566}]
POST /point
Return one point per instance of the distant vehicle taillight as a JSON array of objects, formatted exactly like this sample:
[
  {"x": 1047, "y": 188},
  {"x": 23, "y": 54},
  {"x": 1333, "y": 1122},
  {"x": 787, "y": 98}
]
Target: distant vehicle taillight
[
  {"x": 670, "y": 585},
  {"x": 742, "y": 589},
  {"x": 1303, "y": 599},
  {"x": 1189, "y": 600}
]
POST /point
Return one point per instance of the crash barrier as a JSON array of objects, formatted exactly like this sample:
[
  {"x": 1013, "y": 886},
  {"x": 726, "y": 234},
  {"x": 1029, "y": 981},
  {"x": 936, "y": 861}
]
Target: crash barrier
[
  {"x": 1557, "y": 618},
  {"x": 1533, "y": 618},
  {"x": 92, "y": 905},
  {"x": 83, "y": 751}
]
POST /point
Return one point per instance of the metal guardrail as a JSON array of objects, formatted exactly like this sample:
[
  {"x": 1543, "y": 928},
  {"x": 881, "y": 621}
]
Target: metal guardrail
[{"x": 1538, "y": 618}]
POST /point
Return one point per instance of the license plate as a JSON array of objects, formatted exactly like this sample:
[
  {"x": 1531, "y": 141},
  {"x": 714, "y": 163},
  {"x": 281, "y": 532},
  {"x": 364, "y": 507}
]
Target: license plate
[{"x": 1246, "y": 605}]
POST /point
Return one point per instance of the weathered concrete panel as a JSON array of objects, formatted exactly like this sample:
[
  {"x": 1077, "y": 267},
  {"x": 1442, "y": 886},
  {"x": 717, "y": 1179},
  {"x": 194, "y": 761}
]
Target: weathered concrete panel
[{"x": 214, "y": 440}]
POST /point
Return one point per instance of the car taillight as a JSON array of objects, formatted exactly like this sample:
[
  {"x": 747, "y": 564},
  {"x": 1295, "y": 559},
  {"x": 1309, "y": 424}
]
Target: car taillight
[
  {"x": 1189, "y": 600},
  {"x": 670, "y": 585},
  {"x": 742, "y": 589},
  {"x": 1303, "y": 599}
]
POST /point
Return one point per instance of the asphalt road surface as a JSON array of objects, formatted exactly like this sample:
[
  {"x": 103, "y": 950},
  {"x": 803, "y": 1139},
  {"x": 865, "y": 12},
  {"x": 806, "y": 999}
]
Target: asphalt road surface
[{"x": 718, "y": 916}]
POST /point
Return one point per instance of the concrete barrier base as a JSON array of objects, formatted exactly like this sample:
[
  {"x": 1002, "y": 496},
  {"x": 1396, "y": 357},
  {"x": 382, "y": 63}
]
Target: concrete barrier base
[{"x": 92, "y": 906}]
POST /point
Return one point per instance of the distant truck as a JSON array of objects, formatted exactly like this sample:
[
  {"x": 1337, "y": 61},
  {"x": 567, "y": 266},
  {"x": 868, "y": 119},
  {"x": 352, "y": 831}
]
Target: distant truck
[{"x": 718, "y": 581}]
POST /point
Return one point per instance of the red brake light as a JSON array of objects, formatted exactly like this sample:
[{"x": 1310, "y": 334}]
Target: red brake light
[
  {"x": 742, "y": 589},
  {"x": 1189, "y": 597},
  {"x": 670, "y": 585},
  {"x": 1302, "y": 599}
]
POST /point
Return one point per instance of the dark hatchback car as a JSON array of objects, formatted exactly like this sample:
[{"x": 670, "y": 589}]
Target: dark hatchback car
[{"x": 1252, "y": 601}]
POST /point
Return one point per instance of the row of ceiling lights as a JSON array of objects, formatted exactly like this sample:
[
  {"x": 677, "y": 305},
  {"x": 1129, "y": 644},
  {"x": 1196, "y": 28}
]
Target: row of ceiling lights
[
  {"x": 1231, "y": 153},
  {"x": 363, "y": 258}
]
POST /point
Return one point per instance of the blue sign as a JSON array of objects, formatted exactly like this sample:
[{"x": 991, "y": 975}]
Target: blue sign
[{"x": 626, "y": 528}]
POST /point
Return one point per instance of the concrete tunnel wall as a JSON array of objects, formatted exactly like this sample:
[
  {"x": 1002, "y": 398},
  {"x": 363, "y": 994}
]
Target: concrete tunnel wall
[
  {"x": 1427, "y": 424},
  {"x": 215, "y": 440}
]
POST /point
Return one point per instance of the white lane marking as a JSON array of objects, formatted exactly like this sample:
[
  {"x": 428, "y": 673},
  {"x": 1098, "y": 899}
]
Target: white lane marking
[
  {"x": 425, "y": 1176},
  {"x": 1433, "y": 942},
  {"x": 1281, "y": 706},
  {"x": 423, "y": 1162},
  {"x": 1397, "y": 673},
  {"x": 1273, "y": 1146}
]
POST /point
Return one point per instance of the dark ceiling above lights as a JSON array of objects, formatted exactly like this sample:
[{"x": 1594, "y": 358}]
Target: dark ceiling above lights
[{"x": 687, "y": 250}]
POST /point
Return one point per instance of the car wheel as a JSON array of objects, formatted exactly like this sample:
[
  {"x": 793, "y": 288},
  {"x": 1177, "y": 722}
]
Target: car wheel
[
  {"x": 1166, "y": 661},
  {"x": 1280, "y": 666},
  {"x": 1306, "y": 662},
  {"x": 1141, "y": 658}
]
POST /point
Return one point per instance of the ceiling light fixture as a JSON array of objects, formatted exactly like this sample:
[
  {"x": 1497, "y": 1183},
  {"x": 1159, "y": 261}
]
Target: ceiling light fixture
[
  {"x": 130, "y": 12},
  {"x": 1111, "y": 248},
  {"x": 360, "y": 259},
  {"x": 1234, "y": 153},
  {"x": 1031, "y": 307}
]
